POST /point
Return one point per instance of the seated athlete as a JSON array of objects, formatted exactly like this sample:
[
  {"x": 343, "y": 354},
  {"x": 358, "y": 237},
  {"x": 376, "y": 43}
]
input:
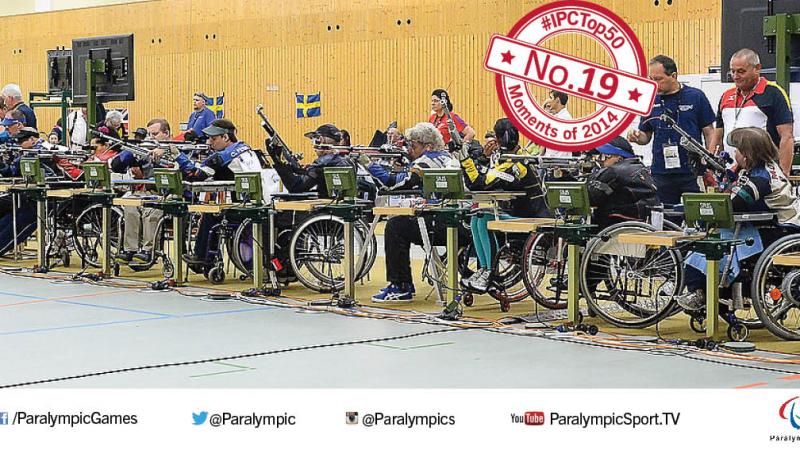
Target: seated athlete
[
  {"x": 141, "y": 223},
  {"x": 28, "y": 139},
  {"x": 761, "y": 186},
  {"x": 229, "y": 155},
  {"x": 623, "y": 188},
  {"x": 310, "y": 177},
  {"x": 499, "y": 175},
  {"x": 426, "y": 150}
]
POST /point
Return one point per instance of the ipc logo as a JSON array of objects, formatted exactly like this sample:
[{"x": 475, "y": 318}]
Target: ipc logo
[
  {"x": 787, "y": 412},
  {"x": 3, "y": 418}
]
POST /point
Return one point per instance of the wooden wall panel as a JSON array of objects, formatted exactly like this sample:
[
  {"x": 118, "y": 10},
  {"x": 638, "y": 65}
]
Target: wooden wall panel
[{"x": 370, "y": 71}]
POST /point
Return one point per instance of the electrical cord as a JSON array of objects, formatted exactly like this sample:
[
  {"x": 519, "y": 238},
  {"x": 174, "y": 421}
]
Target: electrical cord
[
  {"x": 666, "y": 348},
  {"x": 225, "y": 358}
]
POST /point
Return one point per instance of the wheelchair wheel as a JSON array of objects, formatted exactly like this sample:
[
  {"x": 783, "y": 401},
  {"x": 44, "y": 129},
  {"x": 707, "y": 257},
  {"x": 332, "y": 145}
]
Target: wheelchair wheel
[
  {"x": 216, "y": 275},
  {"x": 507, "y": 284},
  {"x": 88, "y": 233},
  {"x": 543, "y": 274},
  {"x": 243, "y": 251},
  {"x": 775, "y": 290},
  {"x": 630, "y": 285},
  {"x": 316, "y": 252}
]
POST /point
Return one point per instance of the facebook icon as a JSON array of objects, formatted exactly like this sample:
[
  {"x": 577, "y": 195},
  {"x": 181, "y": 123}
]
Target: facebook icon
[{"x": 3, "y": 418}]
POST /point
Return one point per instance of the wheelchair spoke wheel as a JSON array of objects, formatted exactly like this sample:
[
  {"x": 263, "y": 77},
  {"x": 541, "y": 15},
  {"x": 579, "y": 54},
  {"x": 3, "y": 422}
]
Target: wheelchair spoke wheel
[
  {"x": 630, "y": 285},
  {"x": 88, "y": 234},
  {"x": 507, "y": 284},
  {"x": 317, "y": 252},
  {"x": 775, "y": 290},
  {"x": 544, "y": 271}
]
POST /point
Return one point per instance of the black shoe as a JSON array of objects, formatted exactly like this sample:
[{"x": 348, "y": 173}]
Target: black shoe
[
  {"x": 196, "y": 261},
  {"x": 124, "y": 256},
  {"x": 142, "y": 258}
]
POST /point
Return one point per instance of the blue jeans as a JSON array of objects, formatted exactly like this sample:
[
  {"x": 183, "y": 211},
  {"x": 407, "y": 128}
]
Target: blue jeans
[
  {"x": 670, "y": 187},
  {"x": 485, "y": 245}
]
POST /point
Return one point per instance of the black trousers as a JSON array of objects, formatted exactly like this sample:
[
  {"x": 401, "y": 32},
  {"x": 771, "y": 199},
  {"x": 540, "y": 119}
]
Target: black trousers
[{"x": 400, "y": 233}]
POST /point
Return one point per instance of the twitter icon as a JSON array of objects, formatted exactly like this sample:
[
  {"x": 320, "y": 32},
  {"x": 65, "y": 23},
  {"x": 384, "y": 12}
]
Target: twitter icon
[{"x": 200, "y": 419}]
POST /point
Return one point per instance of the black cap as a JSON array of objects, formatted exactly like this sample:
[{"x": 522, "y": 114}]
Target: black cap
[
  {"x": 140, "y": 132},
  {"x": 27, "y": 132},
  {"x": 328, "y": 130}
]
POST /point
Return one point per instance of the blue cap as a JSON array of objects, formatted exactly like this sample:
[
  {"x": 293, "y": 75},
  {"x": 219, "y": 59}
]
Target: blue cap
[
  {"x": 9, "y": 121},
  {"x": 608, "y": 149}
]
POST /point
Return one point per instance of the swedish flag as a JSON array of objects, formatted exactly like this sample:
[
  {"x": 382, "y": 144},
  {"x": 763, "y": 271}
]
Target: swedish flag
[
  {"x": 308, "y": 105},
  {"x": 216, "y": 105}
]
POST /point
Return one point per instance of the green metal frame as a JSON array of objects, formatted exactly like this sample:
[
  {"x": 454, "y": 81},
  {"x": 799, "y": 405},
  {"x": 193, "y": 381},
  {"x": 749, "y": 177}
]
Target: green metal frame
[
  {"x": 576, "y": 235},
  {"x": 93, "y": 67},
  {"x": 782, "y": 27},
  {"x": 64, "y": 104}
]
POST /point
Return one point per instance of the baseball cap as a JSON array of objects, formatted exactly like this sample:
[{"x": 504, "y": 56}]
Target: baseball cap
[
  {"x": 219, "y": 127},
  {"x": 325, "y": 130},
  {"x": 608, "y": 149},
  {"x": 7, "y": 122}
]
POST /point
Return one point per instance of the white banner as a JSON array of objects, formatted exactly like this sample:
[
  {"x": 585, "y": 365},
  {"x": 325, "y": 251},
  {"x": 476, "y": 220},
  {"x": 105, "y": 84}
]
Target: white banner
[{"x": 403, "y": 419}]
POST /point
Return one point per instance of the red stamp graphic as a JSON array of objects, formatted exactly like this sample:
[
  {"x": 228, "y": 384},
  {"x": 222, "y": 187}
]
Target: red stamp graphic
[{"x": 621, "y": 91}]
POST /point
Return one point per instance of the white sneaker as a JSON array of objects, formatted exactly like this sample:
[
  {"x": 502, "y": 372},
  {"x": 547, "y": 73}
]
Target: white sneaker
[
  {"x": 467, "y": 282},
  {"x": 481, "y": 284},
  {"x": 692, "y": 301}
]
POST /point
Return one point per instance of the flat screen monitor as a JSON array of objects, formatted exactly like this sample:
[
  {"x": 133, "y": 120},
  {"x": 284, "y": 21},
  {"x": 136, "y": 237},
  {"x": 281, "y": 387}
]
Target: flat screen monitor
[
  {"x": 443, "y": 183},
  {"x": 116, "y": 83},
  {"x": 341, "y": 181},
  {"x": 59, "y": 71},
  {"x": 713, "y": 210},
  {"x": 570, "y": 196},
  {"x": 169, "y": 181},
  {"x": 97, "y": 175},
  {"x": 248, "y": 186}
]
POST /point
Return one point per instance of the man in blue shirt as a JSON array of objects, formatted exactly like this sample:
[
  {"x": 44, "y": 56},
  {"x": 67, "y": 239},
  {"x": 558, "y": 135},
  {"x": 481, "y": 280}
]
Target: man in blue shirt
[
  {"x": 201, "y": 117},
  {"x": 690, "y": 108},
  {"x": 13, "y": 101}
]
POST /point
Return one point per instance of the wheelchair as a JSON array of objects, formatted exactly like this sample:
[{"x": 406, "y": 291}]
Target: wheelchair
[
  {"x": 163, "y": 234},
  {"x": 506, "y": 279},
  {"x": 309, "y": 248},
  {"x": 775, "y": 289}
]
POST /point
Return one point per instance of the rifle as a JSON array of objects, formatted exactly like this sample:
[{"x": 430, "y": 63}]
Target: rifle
[
  {"x": 292, "y": 159},
  {"x": 559, "y": 166},
  {"x": 137, "y": 151},
  {"x": 382, "y": 152},
  {"x": 692, "y": 146},
  {"x": 455, "y": 136},
  {"x": 462, "y": 147}
]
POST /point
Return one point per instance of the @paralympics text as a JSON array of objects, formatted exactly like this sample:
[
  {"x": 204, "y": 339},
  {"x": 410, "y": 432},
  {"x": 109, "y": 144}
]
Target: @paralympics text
[{"x": 407, "y": 420}]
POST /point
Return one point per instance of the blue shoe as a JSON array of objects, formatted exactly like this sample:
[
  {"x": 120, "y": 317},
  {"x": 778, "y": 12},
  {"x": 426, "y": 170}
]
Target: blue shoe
[{"x": 395, "y": 293}]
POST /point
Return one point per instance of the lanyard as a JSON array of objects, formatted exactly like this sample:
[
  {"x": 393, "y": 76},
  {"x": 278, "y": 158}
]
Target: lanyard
[{"x": 738, "y": 108}]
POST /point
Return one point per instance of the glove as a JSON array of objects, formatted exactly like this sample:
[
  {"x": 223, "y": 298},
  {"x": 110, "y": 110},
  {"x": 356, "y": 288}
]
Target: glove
[
  {"x": 274, "y": 151},
  {"x": 364, "y": 160},
  {"x": 459, "y": 152}
]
